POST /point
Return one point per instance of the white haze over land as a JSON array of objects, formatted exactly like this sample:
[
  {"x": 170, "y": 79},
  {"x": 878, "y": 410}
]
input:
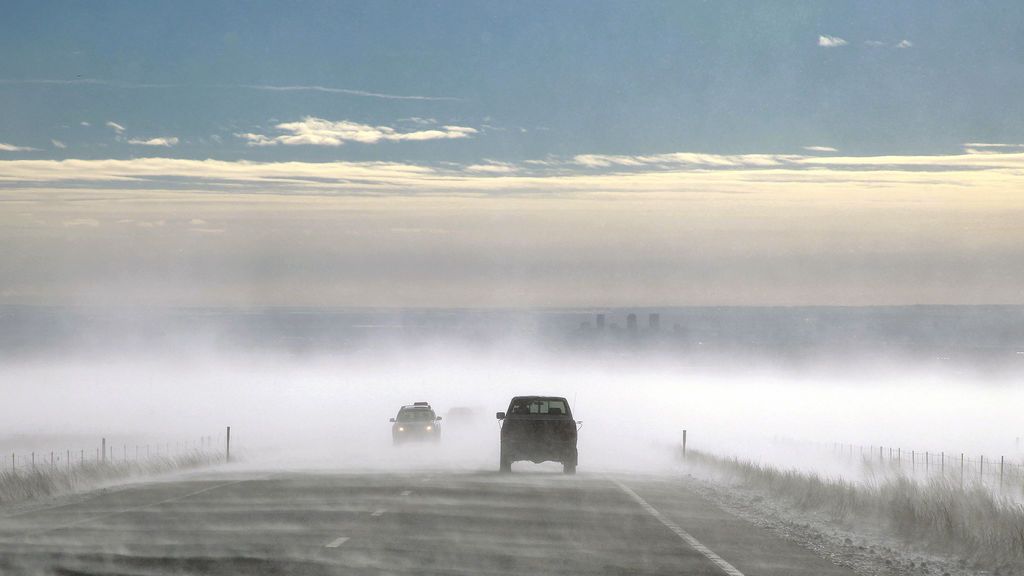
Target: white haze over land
[{"x": 332, "y": 410}]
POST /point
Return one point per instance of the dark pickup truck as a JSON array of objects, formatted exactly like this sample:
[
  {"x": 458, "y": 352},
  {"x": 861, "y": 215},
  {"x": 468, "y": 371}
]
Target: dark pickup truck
[{"x": 538, "y": 429}]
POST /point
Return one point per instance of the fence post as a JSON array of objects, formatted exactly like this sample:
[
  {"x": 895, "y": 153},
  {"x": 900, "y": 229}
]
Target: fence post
[
  {"x": 104, "y": 450},
  {"x": 33, "y": 461},
  {"x": 227, "y": 452},
  {"x": 684, "y": 444},
  {"x": 981, "y": 469},
  {"x": 1001, "y": 472},
  {"x": 14, "y": 465},
  {"x": 961, "y": 470},
  {"x": 942, "y": 467}
]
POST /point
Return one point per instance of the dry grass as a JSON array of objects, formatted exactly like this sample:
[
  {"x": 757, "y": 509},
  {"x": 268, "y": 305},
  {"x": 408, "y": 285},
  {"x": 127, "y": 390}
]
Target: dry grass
[
  {"x": 49, "y": 481},
  {"x": 970, "y": 521}
]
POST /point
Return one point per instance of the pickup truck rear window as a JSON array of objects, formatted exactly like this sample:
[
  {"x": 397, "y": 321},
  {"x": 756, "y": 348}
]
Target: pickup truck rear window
[{"x": 553, "y": 407}]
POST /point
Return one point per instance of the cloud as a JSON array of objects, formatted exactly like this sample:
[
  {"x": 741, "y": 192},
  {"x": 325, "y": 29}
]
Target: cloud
[
  {"x": 905, "y": 44},
  {"x": 81, "y": 82},
  {"x": 84, "y": 123},
  {"x": 58, "y": 144},
  {"x": 820, "y": 149},
  {"x": 874, "y": 43},
  {"x": 12, "y": 148},
  {"x": 348, "y": 91},
  {"x": 166, "y": 142},
  {"x": 90, "y": 222},
  {"x": 826, "y": 41},
  {"x": 312, "y": 131},
  {"x": 991, "y": 147},
  {"x": 492, "y": 167},
  {"x": 265, "y": 87},
  {"x": 117, "y": 127}
]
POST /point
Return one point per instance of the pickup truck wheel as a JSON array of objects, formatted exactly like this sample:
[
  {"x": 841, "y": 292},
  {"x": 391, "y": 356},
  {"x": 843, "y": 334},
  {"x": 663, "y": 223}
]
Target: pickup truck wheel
[
  {"x": 505, "y": 465},
  {"x": 568, "y": 468}
]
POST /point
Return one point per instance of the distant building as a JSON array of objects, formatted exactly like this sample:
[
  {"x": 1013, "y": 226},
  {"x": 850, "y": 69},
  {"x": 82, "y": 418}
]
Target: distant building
[
  {"x": 631, "y": 322},
  {"x": 654, "y": 322}
]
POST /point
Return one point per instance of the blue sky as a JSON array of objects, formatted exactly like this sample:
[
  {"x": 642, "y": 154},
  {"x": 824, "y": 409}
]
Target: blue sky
[
  {"x": 512, "y": 153},
  {"x": 532, "y": 78}
]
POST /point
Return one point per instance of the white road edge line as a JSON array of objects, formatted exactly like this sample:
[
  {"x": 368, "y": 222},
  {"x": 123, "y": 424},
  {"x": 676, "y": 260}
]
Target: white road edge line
[
  {"x": 336, "y": 542},
  {"x": 683, "y": 534}
]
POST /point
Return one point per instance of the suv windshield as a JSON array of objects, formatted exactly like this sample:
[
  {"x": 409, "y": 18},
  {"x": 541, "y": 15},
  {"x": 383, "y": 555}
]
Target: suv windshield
[
  {"x": 550, "y": 406},
  {"x": 415, "y": 415}
]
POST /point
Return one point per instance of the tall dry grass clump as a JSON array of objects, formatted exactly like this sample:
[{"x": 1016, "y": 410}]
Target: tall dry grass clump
[
  {"x": 969, "y": 520},
  {"x": 46, "y": 481}
]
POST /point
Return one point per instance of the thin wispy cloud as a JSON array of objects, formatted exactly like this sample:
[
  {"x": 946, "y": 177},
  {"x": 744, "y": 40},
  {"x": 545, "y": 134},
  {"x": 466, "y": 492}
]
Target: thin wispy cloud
[
  {"x": 874, "y": 43},
  {"x": 991, "y": 147},
  {"x": 58, "y": 144},
  {"x": 312, "y": 131},
  {"x": 84, "y": 123},
  {"x": 905, "y": 44},
  {"x": 265, "y": 87},
  {"x": 820, "y": 149},
  {"x": 826, "y": 41},
  {"x": 347, "y": 91},
  {"x": 492, "y": 168},
  {"x": 13, "y": 148},
  {"x": 79, "y": 82},
  {"x": 115, "y": 126},
  {"x": 164, "y": 141}
]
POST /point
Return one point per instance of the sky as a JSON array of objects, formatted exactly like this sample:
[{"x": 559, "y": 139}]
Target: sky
[{"x": 495, "y": 154}]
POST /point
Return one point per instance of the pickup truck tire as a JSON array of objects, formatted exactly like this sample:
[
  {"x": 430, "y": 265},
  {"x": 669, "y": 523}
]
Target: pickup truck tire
[
  {"x": 505, "y": 466},
  {"x": 569, "y": 468}
]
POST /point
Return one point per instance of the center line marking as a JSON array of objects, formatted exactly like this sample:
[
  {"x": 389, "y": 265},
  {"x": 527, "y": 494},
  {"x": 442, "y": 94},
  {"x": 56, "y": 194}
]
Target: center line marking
[
  {"x": 379, "y": 512},
  {"x": 406, "y": 492},
  {"x": 683, "y": 534},
  {"x": 336, "y": 542}
]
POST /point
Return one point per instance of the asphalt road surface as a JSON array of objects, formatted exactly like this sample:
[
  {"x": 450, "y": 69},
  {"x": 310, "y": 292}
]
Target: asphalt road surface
[{"x": 429, "y": 522}]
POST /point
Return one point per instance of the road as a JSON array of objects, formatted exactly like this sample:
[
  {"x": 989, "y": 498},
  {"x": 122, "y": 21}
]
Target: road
[{"x": 413, "y": 522}]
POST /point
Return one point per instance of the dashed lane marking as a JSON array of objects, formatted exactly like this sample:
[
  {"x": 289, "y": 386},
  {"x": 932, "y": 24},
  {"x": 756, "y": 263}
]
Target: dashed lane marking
[
  {"x": 379, "y": 512},
  {"x": 336, "y": 542},
  {"x": 682, "y": 534},
  {"x": 406, "y": 492}
]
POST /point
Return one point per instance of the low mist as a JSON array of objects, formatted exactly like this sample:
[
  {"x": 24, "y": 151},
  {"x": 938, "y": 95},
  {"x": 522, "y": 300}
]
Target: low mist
[{"x": 331, "y": 409}]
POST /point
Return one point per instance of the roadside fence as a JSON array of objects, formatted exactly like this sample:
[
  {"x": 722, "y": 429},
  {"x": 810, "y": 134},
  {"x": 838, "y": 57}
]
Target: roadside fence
[
  {"x": 111, "y": 453},
  {"x": 987, "y": 470}
]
